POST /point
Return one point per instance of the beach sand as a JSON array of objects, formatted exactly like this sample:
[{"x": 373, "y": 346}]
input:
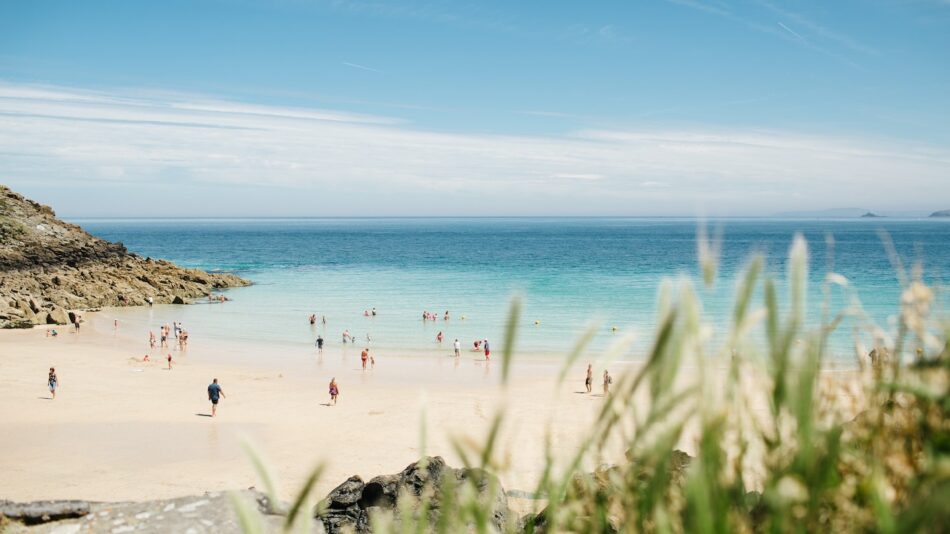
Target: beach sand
[{"x": 120, "y": 429}]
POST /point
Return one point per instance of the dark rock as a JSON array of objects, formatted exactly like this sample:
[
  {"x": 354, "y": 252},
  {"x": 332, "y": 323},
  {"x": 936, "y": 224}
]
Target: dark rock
[
  {"x": 34, "y": 513},
  {"x": 179, "y": 300},
  {"x": 350, "y": 505}
]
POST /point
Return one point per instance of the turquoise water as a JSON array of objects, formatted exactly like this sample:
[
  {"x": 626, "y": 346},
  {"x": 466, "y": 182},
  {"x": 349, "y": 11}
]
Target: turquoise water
[{"x": 568, "y": 271}]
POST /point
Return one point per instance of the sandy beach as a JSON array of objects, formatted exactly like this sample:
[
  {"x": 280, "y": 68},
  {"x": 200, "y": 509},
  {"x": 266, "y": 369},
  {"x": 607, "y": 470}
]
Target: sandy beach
[{"x": 122, "y": 429}]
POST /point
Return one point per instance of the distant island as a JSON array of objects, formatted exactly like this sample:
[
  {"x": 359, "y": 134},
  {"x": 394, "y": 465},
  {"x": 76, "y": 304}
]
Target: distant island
[
  {"x": 833, "y": 213},
  {"x": 941, "y": 213},
  {"x": 870, "y": 215}
]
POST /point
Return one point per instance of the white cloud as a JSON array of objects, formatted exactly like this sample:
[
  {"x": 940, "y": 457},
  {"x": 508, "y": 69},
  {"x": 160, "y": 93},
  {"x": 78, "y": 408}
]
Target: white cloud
[{"x": 271, "y": 160}]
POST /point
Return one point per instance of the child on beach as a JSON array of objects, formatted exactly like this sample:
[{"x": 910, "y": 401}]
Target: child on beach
[
  {"x": 334, "y": 391},
  {"x": 52, "y": 382},
  {"x": 169, "y": 361}
]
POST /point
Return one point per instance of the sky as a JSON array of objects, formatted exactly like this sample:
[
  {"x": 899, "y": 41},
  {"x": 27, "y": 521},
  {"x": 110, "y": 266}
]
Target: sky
[{"x": 440, "y": 108}]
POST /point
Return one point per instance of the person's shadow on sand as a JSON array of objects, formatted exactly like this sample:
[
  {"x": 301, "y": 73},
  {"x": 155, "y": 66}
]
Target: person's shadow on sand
[
  {"x": 45, "y": 398},
  {"x": 203, "y": 414},
  {"x": 326, "y": 404}
]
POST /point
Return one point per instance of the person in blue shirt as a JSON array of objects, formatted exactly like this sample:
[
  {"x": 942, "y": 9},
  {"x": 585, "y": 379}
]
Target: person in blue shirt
[{"x": 215, "y": 393}]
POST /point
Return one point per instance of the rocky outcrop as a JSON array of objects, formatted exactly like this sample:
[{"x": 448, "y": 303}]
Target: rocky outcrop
[
  {"x": 48, "y": 267},
  {"x": 941, "y": 213},
  {"x": 420, "y": 488},
  {"x": 208, "y": 513}
]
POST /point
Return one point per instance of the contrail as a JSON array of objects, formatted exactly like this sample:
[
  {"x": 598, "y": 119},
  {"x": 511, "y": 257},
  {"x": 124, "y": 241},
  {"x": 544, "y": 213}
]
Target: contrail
[
  {"x": 789, "y": 30},
  {"x": 363, "y": 67}
]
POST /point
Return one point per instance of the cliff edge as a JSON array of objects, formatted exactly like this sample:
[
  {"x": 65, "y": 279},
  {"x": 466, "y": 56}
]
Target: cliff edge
[{"x": 48, "y": 267}]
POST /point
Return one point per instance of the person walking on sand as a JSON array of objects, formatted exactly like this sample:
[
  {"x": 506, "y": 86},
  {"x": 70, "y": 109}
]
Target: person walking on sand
[
  {"x": 334, "y": 391},
  {"x": 364, "y": 356},
  {"x": 52, "y": 382},
  {"x": 319, "y": 342},
  {"x": 487, "y": 349},
  {"x": 169, "y": 361},
  {"x": 607, "y": 381},
  {"x": 590, "y": 377},
  {"x": 458, "y": 348},
  {"x": 215, "y": 393}
]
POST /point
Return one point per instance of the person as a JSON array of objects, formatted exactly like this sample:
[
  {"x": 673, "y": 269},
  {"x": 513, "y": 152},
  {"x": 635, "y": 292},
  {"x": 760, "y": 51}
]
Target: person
[
  {"x": 115, "y": 324},
  {"x": 52, "y": 381},
  {"x": 324, "y": 319},
  {"x": 346, "y": 336},
  {"x": 365, "y": 313},
  {"x": 151, "y": 339},
  {"x": 313, "y": 319},
  {"x": 146, "y": 358},
  {"x": 319, "y": 342},
  {"x": 364, "y": 356},
  {"x": 446, "y": 315},
  {"x": 607, "y": 381},
  {"x": 590, "y": 377},
  {"x": 374, "y": 311},
  {"x": 169, "y": 361},
  {"x": 164, "y": 337},
  {"x": 487, "y": 349},
  {"x": 372, "y": 362},
  {"x": 76, "y": 324},
  {"x": 334, "y": 391},
  {"x": 150, "y": 301},
  {"x": 215, "y": 393},
  {"x": 458, "y": 348},
  {"x": 438, "y": 337},
  {"x": 477, "y": 345}
]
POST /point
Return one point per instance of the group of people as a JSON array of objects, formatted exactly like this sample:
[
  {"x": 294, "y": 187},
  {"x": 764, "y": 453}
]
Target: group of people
[
  {"x": 313, "y": 319},
  {"x": 432, "y": 316},
  {"x": 165, "y": 332},
  {"x": 589, "y": 381}
]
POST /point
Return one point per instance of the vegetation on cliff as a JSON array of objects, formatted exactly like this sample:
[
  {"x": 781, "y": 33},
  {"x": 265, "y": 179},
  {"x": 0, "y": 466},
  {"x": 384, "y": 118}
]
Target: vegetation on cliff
[{"x": 49, "y": 267}]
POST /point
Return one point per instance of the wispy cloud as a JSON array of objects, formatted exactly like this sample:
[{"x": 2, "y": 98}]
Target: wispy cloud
[
  {"x": 361, "y": 67},
  {"x": 274, "y": 160},
  {"x": 784, "y": 31}
]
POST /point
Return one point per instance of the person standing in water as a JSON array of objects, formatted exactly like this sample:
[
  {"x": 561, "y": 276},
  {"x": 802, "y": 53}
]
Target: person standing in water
[
  {"x": 438, "y": 337},
  {"x": 364, "y": 356},
  {"x": 52, "y": 382},
  {"x": 458, "y": 348},
  {"x": 590, "y": 377},
  {"x": 319, "y": 342},
  {"x": 607, "y": 381},
  {"x": 334, "y": 391},
  {"x": 215, "y": 393},
  {"x": 487, "y": 349}
]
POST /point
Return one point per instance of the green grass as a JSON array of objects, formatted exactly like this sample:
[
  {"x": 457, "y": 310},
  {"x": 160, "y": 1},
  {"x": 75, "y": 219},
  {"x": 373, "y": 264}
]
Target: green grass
[{"x": 805, "y": 464}]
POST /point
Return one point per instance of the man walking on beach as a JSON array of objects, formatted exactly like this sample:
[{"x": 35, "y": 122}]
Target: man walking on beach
[
  {"x": 214, "y": 395},
  {"x": 458, "y": 348}
]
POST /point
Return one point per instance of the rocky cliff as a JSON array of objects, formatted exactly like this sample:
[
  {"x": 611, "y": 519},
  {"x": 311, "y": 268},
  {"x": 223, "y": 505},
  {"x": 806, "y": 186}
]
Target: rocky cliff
[{"x": 49, "y": 267}]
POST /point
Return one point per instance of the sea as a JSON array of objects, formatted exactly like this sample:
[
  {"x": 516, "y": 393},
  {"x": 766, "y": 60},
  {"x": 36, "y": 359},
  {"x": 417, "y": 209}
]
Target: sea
[{"x": 570, "y": 274}]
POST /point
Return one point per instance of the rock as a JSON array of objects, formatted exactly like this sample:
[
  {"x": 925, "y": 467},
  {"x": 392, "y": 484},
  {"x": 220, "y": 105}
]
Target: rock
[
  {"x": 350, "y": 504},
  {"x": 57, "y": 315},
  {"x": 199, "y": 514},
  {"x": 179, "y": 300},
  {"x": 45, "y": 262},
  {"x": 43, "y": 511}
]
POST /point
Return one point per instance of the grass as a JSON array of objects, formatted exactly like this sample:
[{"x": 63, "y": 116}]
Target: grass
[{"x": 821, "y": 457}]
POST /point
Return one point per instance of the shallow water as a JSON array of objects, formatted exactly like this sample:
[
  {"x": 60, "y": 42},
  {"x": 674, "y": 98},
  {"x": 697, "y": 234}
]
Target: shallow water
[{"x": 568, "y": 271}]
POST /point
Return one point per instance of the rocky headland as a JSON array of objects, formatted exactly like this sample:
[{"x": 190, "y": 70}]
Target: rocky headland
[{"x": 50, "y": 269}]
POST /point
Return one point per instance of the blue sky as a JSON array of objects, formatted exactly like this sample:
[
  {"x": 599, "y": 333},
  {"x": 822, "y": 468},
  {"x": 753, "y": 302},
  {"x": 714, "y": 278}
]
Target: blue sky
[{"x": 679, "y": 107}]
